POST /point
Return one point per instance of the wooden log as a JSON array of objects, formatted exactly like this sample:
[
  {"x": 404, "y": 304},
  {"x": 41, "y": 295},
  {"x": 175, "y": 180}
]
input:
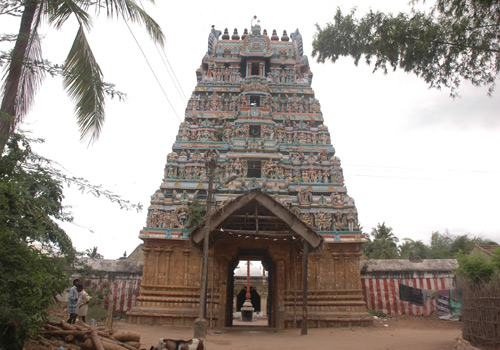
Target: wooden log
[
  {"x": 125, "y": 336},
  {"x": 80, "y": 324},
  {"x": 44, "y": 341},
  {"x": 67, "y": 326},
  {"x": 104, "y": 334},
  {"x": 109, "y": 345},
  {"x": 87, "y": 344},
  {"x": 109, "y": 315},
  {"x": 69, "y": 338},
  {"x": 113, "y": 340},
  {"x": 95, "y": 339},
  {"x": 65, "y": 333},
  {"x": 134, "y": 344}
]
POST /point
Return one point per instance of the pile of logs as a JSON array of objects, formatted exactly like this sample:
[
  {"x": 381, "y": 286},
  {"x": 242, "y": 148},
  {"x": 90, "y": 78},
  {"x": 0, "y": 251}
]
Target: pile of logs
[{"x": 84, "y": 337}]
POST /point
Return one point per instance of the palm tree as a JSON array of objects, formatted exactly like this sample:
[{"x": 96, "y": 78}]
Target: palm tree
[
  {"x": 82, "y": 76},
  {"x": 93, "y": 254},
  {"x": 384, "y": 244}
]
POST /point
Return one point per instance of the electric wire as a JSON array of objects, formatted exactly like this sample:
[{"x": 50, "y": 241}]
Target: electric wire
[
  {"x": 174, "y": 79},
  {"x": 422, "y": 169},
  {"x": 152, "y": 71}
]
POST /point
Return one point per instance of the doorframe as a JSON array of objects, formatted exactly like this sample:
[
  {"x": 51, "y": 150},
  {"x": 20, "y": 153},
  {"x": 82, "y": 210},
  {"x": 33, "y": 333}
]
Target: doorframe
[{"x": 270, "y": 266}]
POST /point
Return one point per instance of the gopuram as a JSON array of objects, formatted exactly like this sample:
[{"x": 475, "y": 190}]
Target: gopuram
[{"x": 253, "y": 132}]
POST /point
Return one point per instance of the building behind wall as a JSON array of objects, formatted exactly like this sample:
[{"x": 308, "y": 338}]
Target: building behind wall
[{"x": 253, "y": 106}]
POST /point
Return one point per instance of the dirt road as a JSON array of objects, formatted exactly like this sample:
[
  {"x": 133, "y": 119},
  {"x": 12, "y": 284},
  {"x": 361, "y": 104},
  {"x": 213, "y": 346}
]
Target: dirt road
[{"x": 408, "y": 333}]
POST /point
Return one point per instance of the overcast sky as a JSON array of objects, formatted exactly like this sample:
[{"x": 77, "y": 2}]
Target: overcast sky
[{"x": 413, "y": 158}]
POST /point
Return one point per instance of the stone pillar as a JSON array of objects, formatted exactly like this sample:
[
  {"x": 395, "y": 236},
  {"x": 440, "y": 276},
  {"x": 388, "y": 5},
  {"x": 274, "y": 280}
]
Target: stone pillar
[
  {"x": 186, "y": 253},
  {"x": 145, "y": 277},
  {"x": 247, "y": 308},
  {"x": 168, "y": 252}
]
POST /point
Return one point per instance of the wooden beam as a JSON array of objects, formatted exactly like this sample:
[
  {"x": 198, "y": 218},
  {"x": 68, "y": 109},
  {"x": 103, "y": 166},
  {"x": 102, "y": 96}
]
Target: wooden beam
[
  {"x": 270, "y": 204},
  {"x": 228, "y": 210},
  {"x": 255, "y": 233},
  {"x": 264, "y": 217},
  {"x": 295, "y": 224},
  {"x": 305, "y": 258},
  {"x": 256, "y": 218}
]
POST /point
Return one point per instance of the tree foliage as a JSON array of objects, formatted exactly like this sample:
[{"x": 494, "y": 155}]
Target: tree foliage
[
  {"x": 33, "y": 248},
  {"x": 383, "y": 244},
  {"x": 197, "y": 212},
  {"x": 477, "y": 269},
  {"x": 93, "y": 253},
  {"x": 417, "y": 248},
  {"x": 458, "y": 40},
  {"x": 82, "y": 76}
]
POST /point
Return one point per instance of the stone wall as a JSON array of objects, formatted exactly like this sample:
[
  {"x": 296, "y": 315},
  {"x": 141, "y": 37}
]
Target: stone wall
[
  {"x": 121, "y": 281},
  {"x": 381, "y": 279},
  {"x": 114, "y": 281}
]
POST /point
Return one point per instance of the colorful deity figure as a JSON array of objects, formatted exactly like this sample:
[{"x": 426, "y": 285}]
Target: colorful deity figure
[
  {"x": 351, "y": 220},
  {"x": 322, "y": 200},
  {"x": 306, "y": 218},
  {"x": 253, "y": 184},
  {"x": 305, "y": 197},
  {"x": 182, "y": 215}
]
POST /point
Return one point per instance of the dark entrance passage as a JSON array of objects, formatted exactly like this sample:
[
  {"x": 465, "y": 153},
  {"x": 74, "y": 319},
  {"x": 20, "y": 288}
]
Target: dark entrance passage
[
  {"x": 254, "y": 298},
  {"x": 261, "y": 293}
]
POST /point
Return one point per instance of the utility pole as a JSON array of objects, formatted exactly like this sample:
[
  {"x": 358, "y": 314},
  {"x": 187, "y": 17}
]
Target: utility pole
[{"x": 200, "y": 324}]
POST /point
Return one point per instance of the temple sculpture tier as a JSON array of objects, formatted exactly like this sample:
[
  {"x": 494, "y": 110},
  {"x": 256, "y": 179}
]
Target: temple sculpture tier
[{"x": 277, "y": 186}]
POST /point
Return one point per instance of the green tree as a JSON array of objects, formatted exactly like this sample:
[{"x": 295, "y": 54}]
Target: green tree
[
  {"x": 196, "y": 213},
  {"x": 458, "y": 40},
  {"x": 93, "y": 254},
  {"x": 82, "y": 76},
  {"x": 495, "y": 259},
  {"x": 418, "y": 248},
  {"x": 476, "y": 269},
  {"x": 446, "y": 245},
  {"x": 383, "y": 244},
  {"x": 33, "y": 248},
  {"x": 440, "y": 246}
]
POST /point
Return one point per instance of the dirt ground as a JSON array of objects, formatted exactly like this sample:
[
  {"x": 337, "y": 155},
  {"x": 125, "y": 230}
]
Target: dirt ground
[{"x": 402, "y": 333}]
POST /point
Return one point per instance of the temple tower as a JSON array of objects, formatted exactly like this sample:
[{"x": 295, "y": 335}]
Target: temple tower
[{"x": 278, "y": 187}]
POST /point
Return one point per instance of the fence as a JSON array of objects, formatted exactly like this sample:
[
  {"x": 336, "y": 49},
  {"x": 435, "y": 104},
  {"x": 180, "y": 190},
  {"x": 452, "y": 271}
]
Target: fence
[
  {"x": 380, "y": 280},
  {"x": 481, "y": 315}
]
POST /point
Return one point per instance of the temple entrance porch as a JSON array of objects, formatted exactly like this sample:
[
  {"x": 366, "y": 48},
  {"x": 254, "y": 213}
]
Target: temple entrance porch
[{"x": 307, "y": 278}]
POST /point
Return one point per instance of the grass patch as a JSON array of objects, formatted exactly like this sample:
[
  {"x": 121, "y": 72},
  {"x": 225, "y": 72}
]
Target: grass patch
[
  {"x": 96, "y": 312},
  {"x": 379, "y": 314}
]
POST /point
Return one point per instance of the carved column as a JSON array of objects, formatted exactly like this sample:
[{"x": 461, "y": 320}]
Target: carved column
[
  {"x": 186, "y": 253},
  {"x": 336, "y": 261},
  {"x": 157, "y": 252},
  {"x": 145, "y": 277},
  {"x": 168, "y": 252}
]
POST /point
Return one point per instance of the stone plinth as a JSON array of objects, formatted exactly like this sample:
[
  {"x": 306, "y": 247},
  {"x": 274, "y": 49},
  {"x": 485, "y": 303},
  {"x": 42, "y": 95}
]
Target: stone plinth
[{"x": 247, "y": 311}]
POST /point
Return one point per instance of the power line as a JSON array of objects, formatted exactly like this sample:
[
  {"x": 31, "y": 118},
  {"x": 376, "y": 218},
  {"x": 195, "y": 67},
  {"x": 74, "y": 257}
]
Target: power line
[
  {"x": 422, "y": 169},
  {"x": 177, "y": 85},
  {"x": 174, "y": 79},
  {"x": 152, "y": 71}
]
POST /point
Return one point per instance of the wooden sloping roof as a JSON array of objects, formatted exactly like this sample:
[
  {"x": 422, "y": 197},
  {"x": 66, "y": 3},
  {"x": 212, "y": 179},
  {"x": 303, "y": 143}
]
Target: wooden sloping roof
[{"x": 256, "y": 214}]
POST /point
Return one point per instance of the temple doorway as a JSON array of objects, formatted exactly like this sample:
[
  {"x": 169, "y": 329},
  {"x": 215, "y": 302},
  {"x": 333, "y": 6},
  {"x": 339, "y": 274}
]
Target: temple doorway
[{"x": 258, "y": 280}]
